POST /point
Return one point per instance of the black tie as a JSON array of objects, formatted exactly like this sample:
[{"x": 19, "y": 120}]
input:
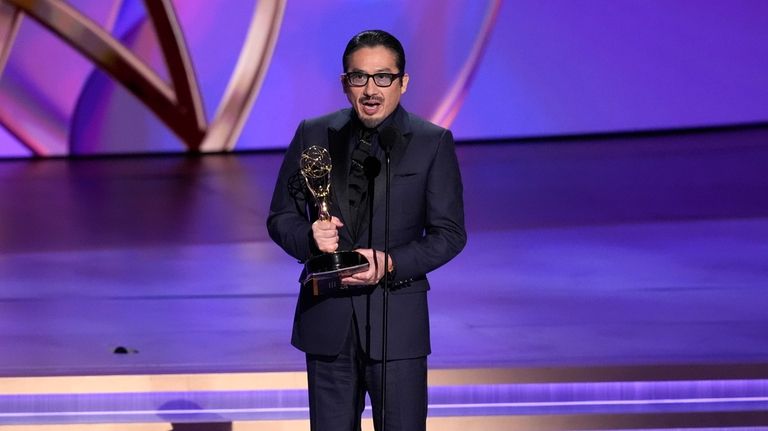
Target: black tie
[{"x": 357, "y": 181}]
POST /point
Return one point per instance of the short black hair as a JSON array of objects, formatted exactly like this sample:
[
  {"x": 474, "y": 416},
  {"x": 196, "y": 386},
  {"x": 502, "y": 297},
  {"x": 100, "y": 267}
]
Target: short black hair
[{"x": 371, "y": 39}]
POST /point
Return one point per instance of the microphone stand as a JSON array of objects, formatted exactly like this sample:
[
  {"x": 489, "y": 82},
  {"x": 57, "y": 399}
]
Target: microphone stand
[
  {"x": 371, "y": 168},
  {"x": 385, "y": 318},
  {"x": 388, "y": 138}
]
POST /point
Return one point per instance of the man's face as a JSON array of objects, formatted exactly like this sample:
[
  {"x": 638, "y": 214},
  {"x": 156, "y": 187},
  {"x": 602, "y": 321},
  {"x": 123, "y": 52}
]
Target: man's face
[{"x": 372, "y": 103}]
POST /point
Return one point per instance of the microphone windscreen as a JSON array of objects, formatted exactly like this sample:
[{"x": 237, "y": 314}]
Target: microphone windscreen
[
  {"x": 388, "y": 138},
  {"x": 371, "y": 167}
]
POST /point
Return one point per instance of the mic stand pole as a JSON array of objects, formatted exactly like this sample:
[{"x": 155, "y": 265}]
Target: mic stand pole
[
  {"x": 385, "y": 317},
  {"x": 372, "y": 168}
]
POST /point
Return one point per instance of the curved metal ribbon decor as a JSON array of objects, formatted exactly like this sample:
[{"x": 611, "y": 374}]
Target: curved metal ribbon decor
[
  {"x": 451, "y": 104},
  {"x": 177, "y": 104}
]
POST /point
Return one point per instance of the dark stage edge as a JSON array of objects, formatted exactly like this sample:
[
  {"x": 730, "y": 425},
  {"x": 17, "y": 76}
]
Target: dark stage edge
[{"x": 627, "y": 267}]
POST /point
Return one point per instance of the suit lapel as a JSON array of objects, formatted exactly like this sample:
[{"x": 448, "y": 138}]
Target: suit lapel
[
  {"x": 338, "y": 143},
  {"x": 400, "y": 121}
]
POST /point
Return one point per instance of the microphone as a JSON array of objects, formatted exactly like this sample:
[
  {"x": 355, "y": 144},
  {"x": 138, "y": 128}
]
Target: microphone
[
  {"x": 371, "y": 167},
  {"x": 388, "y": 138}
]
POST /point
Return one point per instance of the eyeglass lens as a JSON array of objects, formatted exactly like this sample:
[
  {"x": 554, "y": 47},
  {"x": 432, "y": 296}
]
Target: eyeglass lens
[{"x": 359, "y": 79}]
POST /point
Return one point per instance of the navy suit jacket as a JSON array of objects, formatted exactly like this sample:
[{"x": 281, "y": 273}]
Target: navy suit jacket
[{"x": 426, "y": 231}]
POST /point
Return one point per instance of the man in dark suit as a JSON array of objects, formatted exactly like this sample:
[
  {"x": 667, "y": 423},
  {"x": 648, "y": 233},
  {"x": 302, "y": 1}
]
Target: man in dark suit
[{"x": 342, "y": 333}]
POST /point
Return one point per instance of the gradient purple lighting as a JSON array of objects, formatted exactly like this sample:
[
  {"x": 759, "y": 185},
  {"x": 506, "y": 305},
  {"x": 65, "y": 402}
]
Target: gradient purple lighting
[{"x": 549, "y": 68}]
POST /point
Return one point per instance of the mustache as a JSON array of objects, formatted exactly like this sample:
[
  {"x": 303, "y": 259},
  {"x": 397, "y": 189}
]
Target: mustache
[{"x": 371, "y": 99}]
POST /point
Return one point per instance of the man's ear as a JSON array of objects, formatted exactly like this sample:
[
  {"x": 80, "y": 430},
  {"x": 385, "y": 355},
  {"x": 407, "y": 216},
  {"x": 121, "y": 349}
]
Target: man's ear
[{"x": 404, "y": 85}]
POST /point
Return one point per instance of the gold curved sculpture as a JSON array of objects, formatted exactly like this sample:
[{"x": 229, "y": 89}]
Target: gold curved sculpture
[
  {"x": 178, "y": 104},
  {"x": 451, "y": 104}
]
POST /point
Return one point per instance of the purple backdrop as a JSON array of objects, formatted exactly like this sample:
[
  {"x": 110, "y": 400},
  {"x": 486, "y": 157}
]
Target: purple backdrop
[{"x": 549, "y": 67}]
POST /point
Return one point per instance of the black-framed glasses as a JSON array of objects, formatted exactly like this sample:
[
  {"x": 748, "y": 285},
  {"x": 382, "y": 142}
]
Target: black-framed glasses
[{"x": 382, "y": 79}]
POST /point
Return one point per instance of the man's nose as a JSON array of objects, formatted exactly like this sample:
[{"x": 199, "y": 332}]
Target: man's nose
[{"x": 370, "y": 87}]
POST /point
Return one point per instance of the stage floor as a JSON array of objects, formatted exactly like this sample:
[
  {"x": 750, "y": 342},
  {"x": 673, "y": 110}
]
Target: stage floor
[{"x": 617, "y": 252}]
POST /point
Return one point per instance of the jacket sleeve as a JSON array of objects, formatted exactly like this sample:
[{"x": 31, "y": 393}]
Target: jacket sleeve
[
  {"x": 288, "y": 222},
  {"x": 444, "y": 234}
]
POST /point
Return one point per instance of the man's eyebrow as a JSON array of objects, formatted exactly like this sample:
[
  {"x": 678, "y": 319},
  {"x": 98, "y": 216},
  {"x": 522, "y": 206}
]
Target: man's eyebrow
[{"x": 380, "y": 70}]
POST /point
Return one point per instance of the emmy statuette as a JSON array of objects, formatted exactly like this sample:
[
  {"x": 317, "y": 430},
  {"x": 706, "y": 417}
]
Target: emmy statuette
[{"x": 324, "y": 272}]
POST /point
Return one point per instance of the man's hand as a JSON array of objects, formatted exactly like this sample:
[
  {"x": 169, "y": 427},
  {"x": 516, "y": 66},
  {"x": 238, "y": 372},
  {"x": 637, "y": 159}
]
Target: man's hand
[
  {"x": 326, "y": 234},
  {"x": 375, "y": 270}
]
